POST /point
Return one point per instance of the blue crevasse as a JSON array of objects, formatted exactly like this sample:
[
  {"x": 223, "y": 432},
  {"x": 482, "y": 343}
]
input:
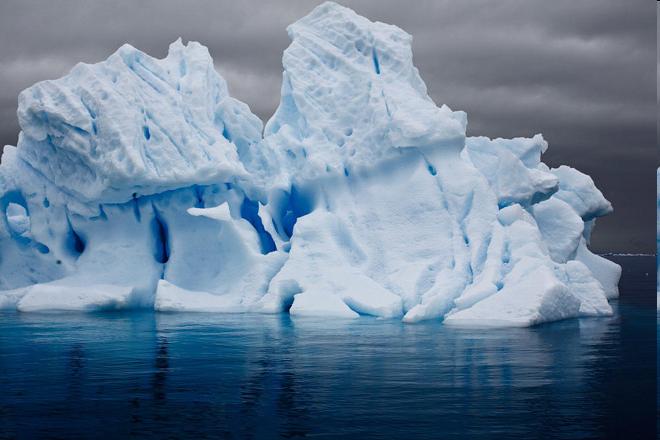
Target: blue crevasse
[{"x": 139, "y": 182}]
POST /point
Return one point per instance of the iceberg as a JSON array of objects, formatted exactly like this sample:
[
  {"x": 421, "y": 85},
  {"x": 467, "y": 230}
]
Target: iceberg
[{"x": 141, "y": 183}]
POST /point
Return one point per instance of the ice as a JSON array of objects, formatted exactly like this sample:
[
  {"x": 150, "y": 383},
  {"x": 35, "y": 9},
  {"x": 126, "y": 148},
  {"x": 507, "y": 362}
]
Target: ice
[
  {"x": 18, "y": 220},
  {"x": 351, "y": 97},
  {"x": 141, "y": 183},
  {"x": 512, "y": 168},
  {"x": 604, "y": 270},
  {"x": 579, "y": 191},
  {"x": 325, "y": 258},
  {"x": 537, "y": 297},
  {"x": 57, "y": 296},
  {"x": 560, "y": 227},
  {"x": 171, "y": 298},
  {"x": 211, "y": 251},
  {"x": 135, "y": 124},
  {"x": 318, "y": 303}
]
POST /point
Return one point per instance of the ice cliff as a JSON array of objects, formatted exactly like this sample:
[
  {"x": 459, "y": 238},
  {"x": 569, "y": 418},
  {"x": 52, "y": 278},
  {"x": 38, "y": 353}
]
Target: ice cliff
[{"x": 139, "y": 182}]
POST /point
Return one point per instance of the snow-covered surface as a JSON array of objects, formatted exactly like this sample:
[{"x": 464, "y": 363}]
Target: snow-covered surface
[{"x": 139, "y": 182}]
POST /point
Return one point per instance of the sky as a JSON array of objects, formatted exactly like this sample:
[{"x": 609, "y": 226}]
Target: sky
[{"x": 582, "y": 73}]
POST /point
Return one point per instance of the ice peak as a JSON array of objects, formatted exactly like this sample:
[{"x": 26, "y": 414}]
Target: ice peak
[
  {"x": 136, "y": 124},
  {"x": 373, "y": 47},
  {"x": 352, "y": 97}
]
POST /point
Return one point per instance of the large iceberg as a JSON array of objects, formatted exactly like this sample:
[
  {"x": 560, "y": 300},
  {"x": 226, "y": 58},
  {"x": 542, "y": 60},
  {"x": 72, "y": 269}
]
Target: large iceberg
[{"x": 140, "y": 182}]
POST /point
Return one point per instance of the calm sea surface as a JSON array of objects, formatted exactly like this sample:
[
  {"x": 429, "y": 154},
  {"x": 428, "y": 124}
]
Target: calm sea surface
[{"x": 146, "y": 375}]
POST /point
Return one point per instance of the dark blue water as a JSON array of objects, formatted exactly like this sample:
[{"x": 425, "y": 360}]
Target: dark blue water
[{"x": 145, "y": 375}]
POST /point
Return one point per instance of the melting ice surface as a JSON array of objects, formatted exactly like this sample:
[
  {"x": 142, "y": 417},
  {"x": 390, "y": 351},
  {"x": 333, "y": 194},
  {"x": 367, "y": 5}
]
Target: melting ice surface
[{"x": 140, "y": 183}]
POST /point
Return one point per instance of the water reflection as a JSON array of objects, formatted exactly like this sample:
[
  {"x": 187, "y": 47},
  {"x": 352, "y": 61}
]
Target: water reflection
[
  {"x": 266, "y": 376},
  {"x": 253, "y": 376},
  {"x": 161, "y": 369},
  {"x": 75, "y": 369},
  {"x": 277, "y": 375}
]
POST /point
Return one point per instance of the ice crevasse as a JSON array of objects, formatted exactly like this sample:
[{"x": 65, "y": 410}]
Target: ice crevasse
[{"x": 141, "y": 183}]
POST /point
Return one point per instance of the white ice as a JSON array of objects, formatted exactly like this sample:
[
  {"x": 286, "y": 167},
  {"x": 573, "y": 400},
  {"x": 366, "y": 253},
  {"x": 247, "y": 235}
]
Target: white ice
[{"x": 141, "y": 183}]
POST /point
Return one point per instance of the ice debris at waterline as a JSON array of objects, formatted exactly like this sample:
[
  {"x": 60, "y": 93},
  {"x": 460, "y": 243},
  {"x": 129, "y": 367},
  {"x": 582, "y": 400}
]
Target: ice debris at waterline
[{"x": 139, "y": 182}]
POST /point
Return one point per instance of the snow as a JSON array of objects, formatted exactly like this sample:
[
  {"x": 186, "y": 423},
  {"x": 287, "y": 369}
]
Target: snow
[{"x": 141, "y": 183}]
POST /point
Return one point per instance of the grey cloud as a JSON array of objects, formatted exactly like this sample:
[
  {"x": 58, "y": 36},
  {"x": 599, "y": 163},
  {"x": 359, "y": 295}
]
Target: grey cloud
[
  {"x": 259, "y": 89},
  {"x": 582, "y": 73}
]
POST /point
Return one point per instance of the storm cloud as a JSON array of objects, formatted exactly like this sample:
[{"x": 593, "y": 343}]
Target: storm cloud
[{"x": 582, "y": 73}]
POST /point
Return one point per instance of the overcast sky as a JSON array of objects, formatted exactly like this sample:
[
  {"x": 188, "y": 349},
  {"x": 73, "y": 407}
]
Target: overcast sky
[{"x": 580, "y": 72}]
